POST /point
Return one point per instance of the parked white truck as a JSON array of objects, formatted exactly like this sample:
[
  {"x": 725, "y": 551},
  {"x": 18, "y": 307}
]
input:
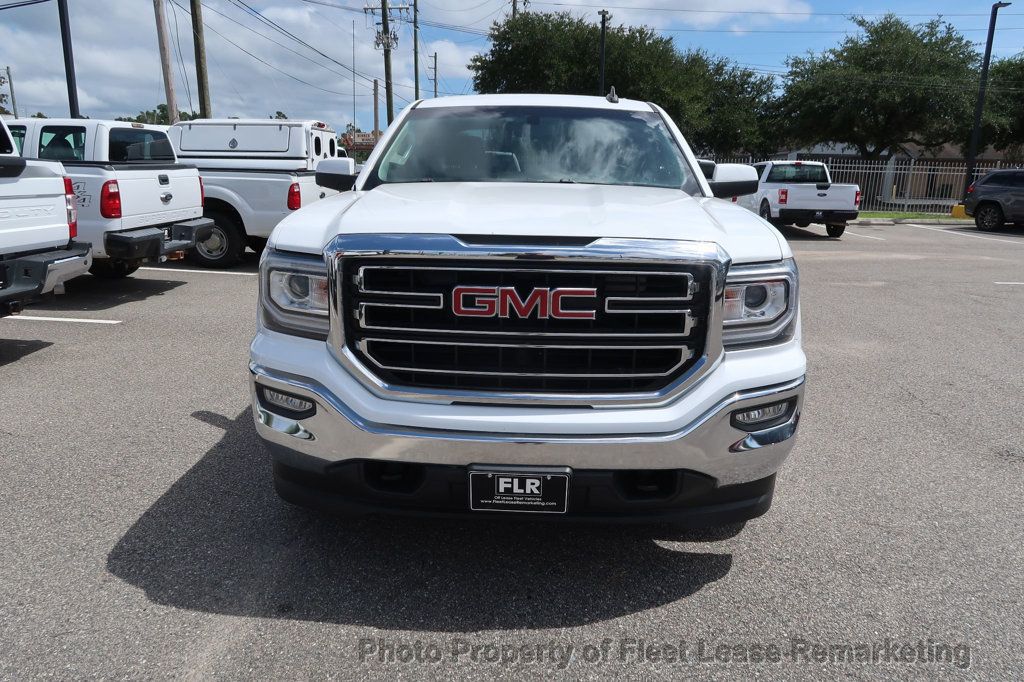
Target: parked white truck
[
  {"x": 38, "y": 227},
  {"x": 800, "y": 193},
  {"x": 255, "y": 172},
  {"x": 530, "y": 304},
  {"x": 135, "y": 201}
]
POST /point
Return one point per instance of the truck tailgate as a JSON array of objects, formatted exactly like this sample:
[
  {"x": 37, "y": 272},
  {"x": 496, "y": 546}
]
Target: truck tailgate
[
  {"x": 33, "y": 212},
  {"x": 833, "y": 198},
  {"x": 311, "y": 191},
  {"x": 157, "y": 196}
]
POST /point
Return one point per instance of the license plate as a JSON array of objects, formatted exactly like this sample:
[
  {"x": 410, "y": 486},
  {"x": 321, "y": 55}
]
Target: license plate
[
  {"x": 818, "y": 214},
  {"x": 167, "y": 234},
  {"x": 514, "y": 489}
]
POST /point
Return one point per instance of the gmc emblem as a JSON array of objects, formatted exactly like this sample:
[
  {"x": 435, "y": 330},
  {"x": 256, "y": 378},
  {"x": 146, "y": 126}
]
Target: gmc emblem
[{"x": 504, "y": 301}]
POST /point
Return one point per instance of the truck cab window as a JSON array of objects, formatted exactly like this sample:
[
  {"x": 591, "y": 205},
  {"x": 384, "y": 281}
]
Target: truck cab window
[
  {"x": 62, "y": 143},
  {"x": 318, "y": 148},
  {"x": 6, "y": 146},
  {"x": 331, "y": 147},
  {"x": 134, "y": 144}
]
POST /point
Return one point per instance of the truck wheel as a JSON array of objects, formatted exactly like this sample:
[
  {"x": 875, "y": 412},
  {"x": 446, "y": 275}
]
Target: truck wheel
[
  {"x": 988, "y": 217},
  {"x": 113, "y": 268},
  {"x": 835, "y": 231},
  {"x": 803, "y": 223},
  {"x": 225, "y": 245},
  {"x": 766, "y": 212}
]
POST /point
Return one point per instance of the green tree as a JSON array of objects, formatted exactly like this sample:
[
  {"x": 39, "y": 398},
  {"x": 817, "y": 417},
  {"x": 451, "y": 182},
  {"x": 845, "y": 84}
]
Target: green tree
[
  {"x": 721, "y": 107},
  {"x": 1004, "y": 108},
  {"x": 38, "y": 114},
  {"x": 279, "y": 116},
  {"x": 158, "y": 116},
  {"x": 892, "y": 84}
]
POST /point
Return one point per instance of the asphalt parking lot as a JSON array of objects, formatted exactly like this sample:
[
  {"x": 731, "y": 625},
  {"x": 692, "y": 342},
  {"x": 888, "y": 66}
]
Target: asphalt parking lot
[{"x": 142, "y": 537}]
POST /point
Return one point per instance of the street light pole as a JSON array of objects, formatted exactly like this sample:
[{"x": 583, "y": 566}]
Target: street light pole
[
  {"x": 972, "y": 149},
  {"x": 69, "y": 58},
  {"x": 604, "y": 30}
]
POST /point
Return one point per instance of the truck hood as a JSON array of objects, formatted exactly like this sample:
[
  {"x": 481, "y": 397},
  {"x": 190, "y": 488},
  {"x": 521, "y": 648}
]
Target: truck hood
[{"x": 531, "y": 209}]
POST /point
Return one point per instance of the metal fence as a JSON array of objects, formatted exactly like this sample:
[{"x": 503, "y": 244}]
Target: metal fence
[{"x": 924, "y": 186}]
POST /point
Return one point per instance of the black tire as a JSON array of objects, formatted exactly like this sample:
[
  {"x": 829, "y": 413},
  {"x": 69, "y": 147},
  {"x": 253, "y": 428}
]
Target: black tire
[
  {"x": 257, "y": 244},
  {"x": 766, "y": 211},
  {"x": 835, "y": 231},
  {"x": 113, "y": 268},
  {"x": 225, "y": 245},
  {"x": 988, "y": 217},
  {"x": 803, "y": 223}
]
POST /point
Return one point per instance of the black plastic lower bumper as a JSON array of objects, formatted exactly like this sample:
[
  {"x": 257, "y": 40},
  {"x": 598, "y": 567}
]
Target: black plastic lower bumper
[
  {"x": 26, "y": 276},
  {"x": 799, "y": 215},
  {"x": 153, "y": 242},
  {"x": 675, "y": 496}
]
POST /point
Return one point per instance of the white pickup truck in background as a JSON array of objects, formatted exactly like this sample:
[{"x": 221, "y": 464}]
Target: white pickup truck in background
[
  {"x": 256, "y": 172},
  {"x": 135, "y": 202},
  {"x": 38, "y": 223},
  {"x": 800, "y": 193}
]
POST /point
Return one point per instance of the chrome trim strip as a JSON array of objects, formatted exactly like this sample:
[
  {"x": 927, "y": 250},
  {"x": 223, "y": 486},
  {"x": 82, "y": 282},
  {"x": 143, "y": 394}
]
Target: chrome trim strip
[
  {"x": 770, "y": 436},
  {"x": 319, "y": 392},
  {"x": 605, "y": 251}
]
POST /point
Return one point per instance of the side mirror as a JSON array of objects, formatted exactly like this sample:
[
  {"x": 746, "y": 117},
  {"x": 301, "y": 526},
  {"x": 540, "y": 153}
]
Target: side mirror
[
  {"x": 733, "y": 180},
  {"x": 339, "y": 174},
  {"x": 707, "y": 167}
]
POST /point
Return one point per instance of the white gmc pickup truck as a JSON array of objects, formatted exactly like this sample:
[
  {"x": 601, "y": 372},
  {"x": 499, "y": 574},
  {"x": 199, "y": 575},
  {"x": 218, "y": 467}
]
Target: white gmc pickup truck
[
  {"x": 38, "y": 226},
  {"x": 800, "y": 193},
  {"x": 135, "y": 202},
  {"x": 530, "y": 305}
]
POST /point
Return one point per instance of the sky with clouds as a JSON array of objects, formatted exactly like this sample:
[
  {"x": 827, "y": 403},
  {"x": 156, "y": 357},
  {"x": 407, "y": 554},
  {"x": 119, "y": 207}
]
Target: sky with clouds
[{"x": 304, "y": 69}]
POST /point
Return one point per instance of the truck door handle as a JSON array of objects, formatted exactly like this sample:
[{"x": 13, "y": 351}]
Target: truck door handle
[{"x": 166, "y": 197}]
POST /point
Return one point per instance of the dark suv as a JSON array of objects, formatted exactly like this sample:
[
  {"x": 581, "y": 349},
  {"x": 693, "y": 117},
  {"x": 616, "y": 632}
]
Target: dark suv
[{"x": 996, "y": 199}]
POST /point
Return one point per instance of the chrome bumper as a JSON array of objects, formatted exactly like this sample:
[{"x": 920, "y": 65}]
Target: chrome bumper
[
  {"x": 710, "y": 444},
  {"x": 65, "y": 269}
]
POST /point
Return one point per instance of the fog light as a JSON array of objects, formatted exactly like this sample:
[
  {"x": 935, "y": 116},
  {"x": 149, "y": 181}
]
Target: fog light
[
  {"x": 292, "y": 405},
  {"x": 761, "y": 415}
]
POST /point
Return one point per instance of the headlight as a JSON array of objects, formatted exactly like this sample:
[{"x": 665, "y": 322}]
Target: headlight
[
  {"x": 294, "y": 294},
  {"x": 760, "y": 304}
]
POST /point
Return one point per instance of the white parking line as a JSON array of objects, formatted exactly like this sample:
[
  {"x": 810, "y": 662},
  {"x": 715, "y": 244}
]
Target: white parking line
[
  {"x": 961, "y": 234},
  {"x": 865, "y": 236},
  {"x": 62, "y": 319},
  {"x": 1010, "y": 283},
  {"x": 205, "y": 272}
]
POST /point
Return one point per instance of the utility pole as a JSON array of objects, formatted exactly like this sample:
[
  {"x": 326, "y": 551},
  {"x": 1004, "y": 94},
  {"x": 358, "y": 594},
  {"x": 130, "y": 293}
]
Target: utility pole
[
  {"x": 202, "y": 80},
  {"x": 163, "y": 41},
  {"x": 515, "y": 8},
  {"x": 435, "y": 75},
  {"x": 972, "y": 150},
  {"x": 69, "y": 59},
  {"x": 10, "y": 85},
  {"x": 416, "y": 44},
  {"x": 354, "y": 126},
  {"x": 376, "y": 108},
  {"x": 388, "y": 86},
  {"x": 604, "y": 30}
]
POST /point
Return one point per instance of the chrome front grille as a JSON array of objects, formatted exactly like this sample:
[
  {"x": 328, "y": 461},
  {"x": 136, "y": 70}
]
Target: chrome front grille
[{"x": 598, "y": 322}]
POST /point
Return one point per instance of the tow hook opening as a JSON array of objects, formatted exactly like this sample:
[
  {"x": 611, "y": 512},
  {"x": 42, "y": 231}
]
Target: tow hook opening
[
  {"x": 393, "y": 477},
  {"x": 647, "y": 484}
]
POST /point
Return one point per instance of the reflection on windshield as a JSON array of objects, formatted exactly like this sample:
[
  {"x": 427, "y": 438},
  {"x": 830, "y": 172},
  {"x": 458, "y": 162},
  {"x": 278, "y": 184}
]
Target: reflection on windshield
[{"x": 534, "y": 144}]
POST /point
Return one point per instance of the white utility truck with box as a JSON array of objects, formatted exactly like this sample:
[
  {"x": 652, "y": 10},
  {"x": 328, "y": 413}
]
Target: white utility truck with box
[
  {"x": 256, "y": 172},
  {"x": 800, "y": 193},
  {"x": 38, "y": 227},
  {"x": 135, "y": 202},
  {"x": 535, "y": 305}
]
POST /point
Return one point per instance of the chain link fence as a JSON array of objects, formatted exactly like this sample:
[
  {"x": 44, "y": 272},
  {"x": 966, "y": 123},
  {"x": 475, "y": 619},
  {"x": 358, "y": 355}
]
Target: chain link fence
[{"x": 904, "y": 185}]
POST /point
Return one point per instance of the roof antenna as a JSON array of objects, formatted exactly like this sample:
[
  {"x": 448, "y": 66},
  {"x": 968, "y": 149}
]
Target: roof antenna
[{"x": 611, "y": 96}]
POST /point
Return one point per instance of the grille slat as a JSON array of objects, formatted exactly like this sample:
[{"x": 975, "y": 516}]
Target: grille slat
[{"x": 648, "y": 324}]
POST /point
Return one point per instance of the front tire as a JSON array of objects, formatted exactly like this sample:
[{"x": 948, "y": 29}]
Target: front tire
[
  {"x": 225, "y": 245},
  {"x": 113, "y": 268},
  {"x": 988, "y": 217},
  {"x": 835, "y": 231}
]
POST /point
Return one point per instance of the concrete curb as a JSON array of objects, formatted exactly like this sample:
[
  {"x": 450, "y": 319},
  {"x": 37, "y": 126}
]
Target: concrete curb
[{"x": 915, "y": 221}]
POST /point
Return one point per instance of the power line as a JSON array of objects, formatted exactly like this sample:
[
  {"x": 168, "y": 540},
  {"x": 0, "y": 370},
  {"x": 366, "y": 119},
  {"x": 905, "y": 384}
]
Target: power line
[
  {"x": 938, "y": 15},
  {"x": 181, "y": 61},
  {"x": 23, "y": 3}
]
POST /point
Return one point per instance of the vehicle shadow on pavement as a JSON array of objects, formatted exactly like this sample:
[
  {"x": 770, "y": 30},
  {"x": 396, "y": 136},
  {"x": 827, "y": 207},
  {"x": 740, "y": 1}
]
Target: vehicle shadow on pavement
[
  {"x": 88, "y": 293},
  {"x": 12, "y": 350},
  {"x": 798, "y": 234},
  {"x": 219, "y": 540}
]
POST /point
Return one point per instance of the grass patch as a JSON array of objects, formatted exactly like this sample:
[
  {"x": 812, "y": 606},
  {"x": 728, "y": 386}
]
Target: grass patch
[{"x": 905, "y": 215}]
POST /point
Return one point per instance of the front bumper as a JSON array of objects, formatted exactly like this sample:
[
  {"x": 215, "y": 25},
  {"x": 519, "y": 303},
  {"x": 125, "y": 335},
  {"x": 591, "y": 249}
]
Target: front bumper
[
  {"x": 154, "y": 242},
  {"x": 709, "y": 445},
  {"x": 796, "y": 215},
  {"x": 23, "y": 278}
]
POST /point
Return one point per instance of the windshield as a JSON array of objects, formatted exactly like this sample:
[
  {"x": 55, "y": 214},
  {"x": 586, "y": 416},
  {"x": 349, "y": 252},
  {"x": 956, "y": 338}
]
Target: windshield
[
  {"x": 534, "y": 144},
  {"x": 139, "y": 144},
  {"x": 797, "y": 173}
]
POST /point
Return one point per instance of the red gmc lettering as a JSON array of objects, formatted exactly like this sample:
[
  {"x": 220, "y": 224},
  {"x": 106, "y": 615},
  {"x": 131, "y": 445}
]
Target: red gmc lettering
[{"x": 503, "y": 301}]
